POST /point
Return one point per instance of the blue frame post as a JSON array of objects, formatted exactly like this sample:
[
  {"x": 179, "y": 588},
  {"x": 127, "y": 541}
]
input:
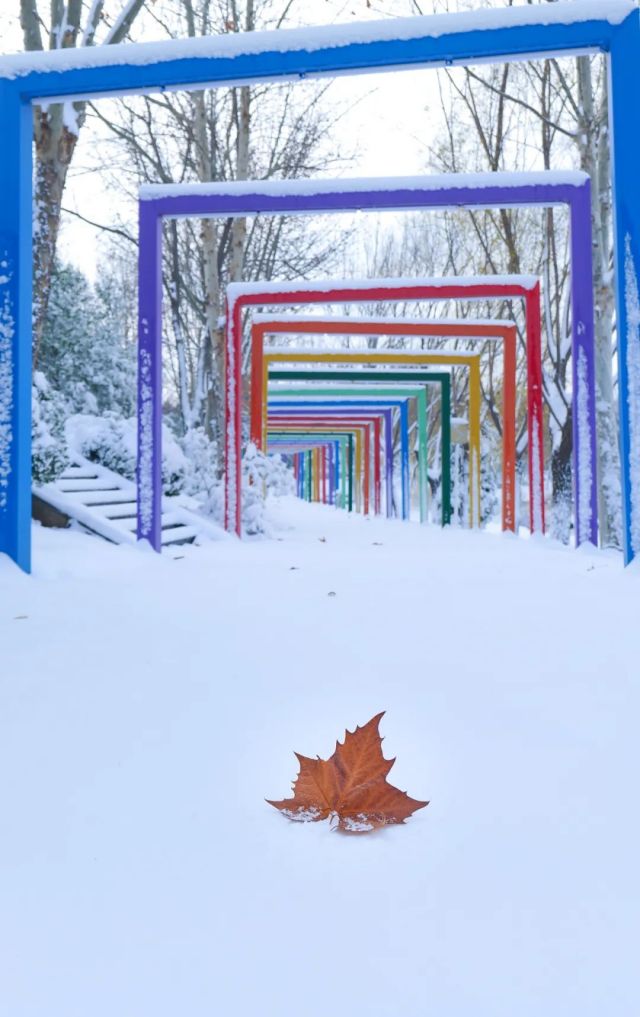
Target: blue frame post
[
  {"x": 583, "y": 405},
  {"x": 624, "y": 118},
  {"x": 15, "y": 327}
]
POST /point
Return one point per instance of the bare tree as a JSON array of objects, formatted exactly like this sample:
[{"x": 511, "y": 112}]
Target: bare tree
[
  {"x": 220, "y": 134},
  {"x": 541, "y": 115}
]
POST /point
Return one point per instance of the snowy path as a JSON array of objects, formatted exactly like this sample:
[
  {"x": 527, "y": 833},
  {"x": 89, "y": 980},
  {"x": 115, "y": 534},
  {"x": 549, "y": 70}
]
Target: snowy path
[{"x": 147, "y": 707}]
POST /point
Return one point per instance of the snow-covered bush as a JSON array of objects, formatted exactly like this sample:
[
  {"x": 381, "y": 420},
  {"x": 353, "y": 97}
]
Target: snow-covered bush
[
  {"x": 561, "y": 517},
  {"x": 270, "y": 472},
  {"x": 262, "y": 475},
  {"x": 490, "y": 472},
  {"x": 83, "y": 350},
  {"x": 112, "y": 442},
  {"x": 201, "y": 463},
  {"x": 490, "y": 453},
  {"x": 49, "y": 447},
  {"x": 459, "y": 486}
]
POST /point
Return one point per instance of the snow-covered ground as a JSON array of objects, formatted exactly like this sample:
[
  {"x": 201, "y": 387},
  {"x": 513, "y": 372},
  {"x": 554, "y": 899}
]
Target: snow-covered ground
[{"x": 148, "y": 706}]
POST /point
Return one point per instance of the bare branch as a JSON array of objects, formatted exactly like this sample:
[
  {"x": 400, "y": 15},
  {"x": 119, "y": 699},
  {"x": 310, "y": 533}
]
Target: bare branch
[
  {"x": 93, "y": 20},
  {"x": 99, "y": 226},
  {"x": 122, "y": 25},
  {"x": 519, "y": 102}
]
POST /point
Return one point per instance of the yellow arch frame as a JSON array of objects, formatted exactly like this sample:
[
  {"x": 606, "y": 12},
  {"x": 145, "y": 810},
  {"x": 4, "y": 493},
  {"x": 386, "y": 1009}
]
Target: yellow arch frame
[{"x": 443, "y": 359}]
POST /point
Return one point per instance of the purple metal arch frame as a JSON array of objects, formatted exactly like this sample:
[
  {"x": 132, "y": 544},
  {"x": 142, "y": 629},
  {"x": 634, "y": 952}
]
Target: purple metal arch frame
[{"x": 291, "y": 197}]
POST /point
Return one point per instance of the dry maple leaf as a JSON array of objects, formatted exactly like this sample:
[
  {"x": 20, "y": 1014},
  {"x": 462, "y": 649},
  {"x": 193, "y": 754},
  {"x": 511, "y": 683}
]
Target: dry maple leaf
[{"x": 351, "y": 786}]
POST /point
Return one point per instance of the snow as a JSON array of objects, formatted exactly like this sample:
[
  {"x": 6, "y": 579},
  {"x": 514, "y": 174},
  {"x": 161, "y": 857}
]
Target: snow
[
  {"x": 237, "y": 290},
  {"x": 354, "y": 185},
  {"x": 632, "y": 302},
  {"x": 262, "y": 318},
  {"x": 360, "y": 356},
  {"x": 7, "y": 329},
  {"x": 311, "y": 373},
  {"x": 70, "y": 118},
  {"x": 311, "y": 39},
  {"x": 91, "y": 22},
  {"x": 148, "y": 706}
]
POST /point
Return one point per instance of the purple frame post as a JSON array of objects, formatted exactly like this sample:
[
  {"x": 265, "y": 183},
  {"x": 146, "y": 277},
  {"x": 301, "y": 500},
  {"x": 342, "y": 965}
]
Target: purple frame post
[
  {"x": 502, "y": 190},
  {"x": 149, "y": 466}
]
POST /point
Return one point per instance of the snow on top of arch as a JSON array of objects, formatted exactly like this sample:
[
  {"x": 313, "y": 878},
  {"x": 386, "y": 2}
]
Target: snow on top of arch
[
  {"x": 288, "y": 286},
  {"x": 310, "y": 39},
  {"x": 366, "y": 355},
  {"x": 354, "y": 185},
  {"x": 360, "y": 319},
  {"x": 402, "y": 372}
]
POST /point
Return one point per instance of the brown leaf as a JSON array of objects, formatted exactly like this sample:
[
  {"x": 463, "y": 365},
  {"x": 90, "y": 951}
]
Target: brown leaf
[{"x": 351, "y": 786}]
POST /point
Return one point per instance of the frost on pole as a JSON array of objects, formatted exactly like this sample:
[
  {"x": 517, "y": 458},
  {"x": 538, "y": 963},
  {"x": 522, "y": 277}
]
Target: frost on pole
[
  {"x": 145, "y": 445},
  {"x": 632, "y": 301},
  {"x": 536, "y": 467},
  {"x": 584, "y": 477},
  {"x": 6, "y": 380},
  {"x": 232, "y": 466}
]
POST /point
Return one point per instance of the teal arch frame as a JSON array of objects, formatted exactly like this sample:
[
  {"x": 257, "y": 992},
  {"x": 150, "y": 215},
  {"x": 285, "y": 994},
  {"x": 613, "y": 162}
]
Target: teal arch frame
[
  {"x": 426, "y": 378},
  {"x": 562, "y": 28}
]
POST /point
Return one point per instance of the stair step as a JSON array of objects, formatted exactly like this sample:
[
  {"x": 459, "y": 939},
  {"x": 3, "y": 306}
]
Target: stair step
[
  {"x": 172, "y": 517},
  {"x": 100, "y": 498},
  {"x": 117, "y": 510},
  {"x": 171, "y": 524},
  {"x": 79, "y": 473},
  {"x": 99, "y": 484},
  {"x": 104, "y": 503},
  {"x": 125, "y": 523},
  {"x": 179, "y": 534}
]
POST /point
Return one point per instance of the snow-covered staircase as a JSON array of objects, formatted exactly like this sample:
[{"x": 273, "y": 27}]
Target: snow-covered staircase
[{"x": 105, "y": 503}]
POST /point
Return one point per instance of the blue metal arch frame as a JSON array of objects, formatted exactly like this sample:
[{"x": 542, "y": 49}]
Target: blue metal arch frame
[{"x": 518, "y": 33}]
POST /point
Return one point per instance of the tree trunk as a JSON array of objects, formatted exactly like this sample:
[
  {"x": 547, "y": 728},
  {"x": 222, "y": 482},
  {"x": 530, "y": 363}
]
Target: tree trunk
[
  {"x": 56, "y": 132},
  {"x": 594, "y": 159},
  {"x": 55, "y": 145},
  {"x": 214, "y": 367}
]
